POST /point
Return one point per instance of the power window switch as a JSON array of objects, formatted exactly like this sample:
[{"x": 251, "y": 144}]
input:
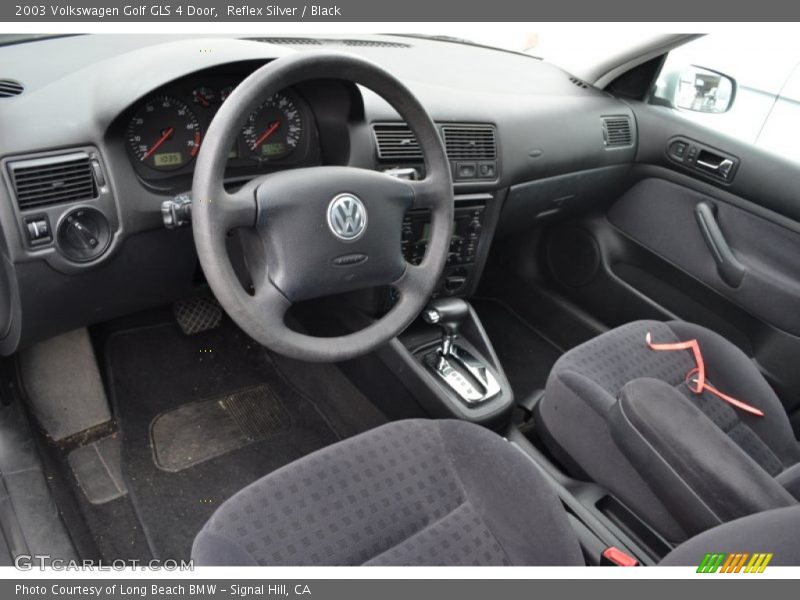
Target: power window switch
[
  {"x": 679, "y": 149},
  {"x": 38, "y": 230}
]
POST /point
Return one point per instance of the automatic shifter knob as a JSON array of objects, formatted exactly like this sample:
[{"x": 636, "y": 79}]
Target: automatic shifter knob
[
  {"x": 447, "y": 313},
  {"x": 468, "y": 377}
]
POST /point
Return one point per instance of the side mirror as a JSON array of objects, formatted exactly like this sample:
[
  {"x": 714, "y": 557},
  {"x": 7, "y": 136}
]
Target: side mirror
[{"x": 703, "y": 90}]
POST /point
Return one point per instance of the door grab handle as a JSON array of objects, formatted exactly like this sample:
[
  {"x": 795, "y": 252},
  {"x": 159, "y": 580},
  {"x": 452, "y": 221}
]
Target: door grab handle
[
  {"x": 724, "y": 166},
  {"x": 730, "y": 269},
  {"x": 714, "y": 163},
  {"x": 707, "y": 165}
]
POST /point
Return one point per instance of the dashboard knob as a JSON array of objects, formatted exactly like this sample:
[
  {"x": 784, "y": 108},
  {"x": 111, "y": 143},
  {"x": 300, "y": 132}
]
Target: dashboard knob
[{"x": 83, "y": 234}]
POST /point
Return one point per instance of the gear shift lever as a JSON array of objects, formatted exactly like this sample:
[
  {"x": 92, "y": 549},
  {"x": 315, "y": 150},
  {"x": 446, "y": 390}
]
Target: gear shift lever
[
  {"x": 464, "y": 374},
  {"x": 447, "y": 313}
]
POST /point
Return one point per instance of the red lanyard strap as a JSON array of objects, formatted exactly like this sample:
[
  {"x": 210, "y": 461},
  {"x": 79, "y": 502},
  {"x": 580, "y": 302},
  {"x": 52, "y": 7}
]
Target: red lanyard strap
[{"x": 697, "y": 376}]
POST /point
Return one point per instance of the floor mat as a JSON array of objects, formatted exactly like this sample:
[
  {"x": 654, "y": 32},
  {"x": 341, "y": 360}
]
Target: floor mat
[
  {"x": 526, "y": 356},
  {"x": 200, "y": 431},
  {"x": 158, "y": 370}
]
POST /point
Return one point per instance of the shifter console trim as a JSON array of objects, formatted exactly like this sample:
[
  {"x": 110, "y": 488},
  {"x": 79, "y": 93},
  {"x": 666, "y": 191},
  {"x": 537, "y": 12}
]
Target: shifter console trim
[{"x": 468, "y": 377}]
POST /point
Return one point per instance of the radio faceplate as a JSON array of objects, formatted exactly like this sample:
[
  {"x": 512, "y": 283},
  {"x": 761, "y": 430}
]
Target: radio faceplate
[
  {"x": 464, "y": 242},
  {"x": 466, "y": 234}
]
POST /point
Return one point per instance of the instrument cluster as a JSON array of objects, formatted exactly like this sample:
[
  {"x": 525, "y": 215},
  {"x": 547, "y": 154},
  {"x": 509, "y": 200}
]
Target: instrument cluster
[{"x": 165, "y": 130}]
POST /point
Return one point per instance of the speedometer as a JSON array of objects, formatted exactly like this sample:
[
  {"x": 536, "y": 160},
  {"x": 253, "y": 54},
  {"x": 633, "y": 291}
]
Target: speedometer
[
  {"x": 274, "y": 130},
  {"x": 164, "y": 134}
]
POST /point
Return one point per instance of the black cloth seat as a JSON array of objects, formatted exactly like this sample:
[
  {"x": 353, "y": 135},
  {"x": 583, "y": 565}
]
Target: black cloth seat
[
  {"x": 413, "y": 492},
  {"x": 621, "y": 414},
  {"x": 431, "y": 493}
]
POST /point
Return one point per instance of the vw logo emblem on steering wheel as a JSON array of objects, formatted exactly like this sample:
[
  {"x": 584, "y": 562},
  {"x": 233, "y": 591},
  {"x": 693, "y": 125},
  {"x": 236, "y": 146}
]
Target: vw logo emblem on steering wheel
[{"x": 347, "y": 217}]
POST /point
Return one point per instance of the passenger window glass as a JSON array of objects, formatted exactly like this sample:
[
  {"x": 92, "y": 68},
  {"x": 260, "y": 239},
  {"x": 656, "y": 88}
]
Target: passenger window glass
[{"x": 765, "y": 108}]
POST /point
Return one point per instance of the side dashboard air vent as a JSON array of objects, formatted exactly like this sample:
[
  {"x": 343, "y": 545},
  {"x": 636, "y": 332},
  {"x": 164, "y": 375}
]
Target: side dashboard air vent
[
  {"x": 395, "y": 141},
  {"x": 470, "y": 142},
  {"x": 51, "y": 180},
  {"x": 10, "y": 88},
  {"x": 579, "y": 83},
  {"x": 617, "y": 131}
]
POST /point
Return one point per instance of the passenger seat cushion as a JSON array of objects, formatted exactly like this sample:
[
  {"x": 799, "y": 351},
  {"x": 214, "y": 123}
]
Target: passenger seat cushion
[
  {"x": 410, "y": 492},
  {"x": 772, "y": 531},
  {"x": 700, "y": 474},
  {"x": 586, "y": 381}
]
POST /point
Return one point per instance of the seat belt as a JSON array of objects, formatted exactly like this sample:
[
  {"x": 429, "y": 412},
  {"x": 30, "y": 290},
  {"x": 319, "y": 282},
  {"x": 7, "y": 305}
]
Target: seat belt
[{"x": 697, "y": 376}]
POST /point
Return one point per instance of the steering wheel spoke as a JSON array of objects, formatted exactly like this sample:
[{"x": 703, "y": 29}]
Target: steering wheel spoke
[
  {"x": 426, "y": 193},
  {"x": 411, "y": 282},
  {"x": 269, "y": 304},
  {"x": 238, "y": 209}
]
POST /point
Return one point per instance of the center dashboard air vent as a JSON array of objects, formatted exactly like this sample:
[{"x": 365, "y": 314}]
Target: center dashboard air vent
[
  {"x": 617, "y": 131},
  {"x": 395, "y": 141},
  {"x": 470, "y": 142},
  {"x": 49, "y": 180},
  {"x": 472, "y": 149}
]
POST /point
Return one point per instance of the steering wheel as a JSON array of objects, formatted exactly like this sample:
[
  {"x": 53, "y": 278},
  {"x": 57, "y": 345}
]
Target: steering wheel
[{"x": 322, "y": 230}]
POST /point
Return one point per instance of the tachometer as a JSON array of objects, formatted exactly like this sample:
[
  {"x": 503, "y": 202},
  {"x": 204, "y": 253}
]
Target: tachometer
[
  {"x": 274, "y": 130},
  {"x": 164, "y": 134}
]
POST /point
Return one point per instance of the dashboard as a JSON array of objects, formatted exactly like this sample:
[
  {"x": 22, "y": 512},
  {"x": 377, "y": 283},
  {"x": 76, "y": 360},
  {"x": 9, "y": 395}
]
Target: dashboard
[{"x": 83, "y": 179}]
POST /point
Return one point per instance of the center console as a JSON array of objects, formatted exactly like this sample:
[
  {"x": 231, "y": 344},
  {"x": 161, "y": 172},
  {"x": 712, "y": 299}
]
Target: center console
[
  {"x": 465, "y": 244},
  {"x": 445, "y": 359}
]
